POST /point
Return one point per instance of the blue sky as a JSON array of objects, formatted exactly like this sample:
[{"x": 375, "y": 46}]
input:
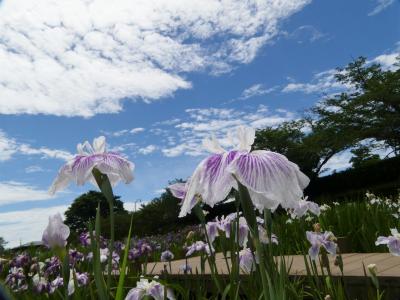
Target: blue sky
[{"x": 158, "y": 77}]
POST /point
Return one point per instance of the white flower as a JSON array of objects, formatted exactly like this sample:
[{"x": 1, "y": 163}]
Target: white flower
[
  {"x": 79, "y": 169},
  {"x": 56, "y": 232},
  {"x": 144, "y": 287},
  {"x": 270, "y": 178}
]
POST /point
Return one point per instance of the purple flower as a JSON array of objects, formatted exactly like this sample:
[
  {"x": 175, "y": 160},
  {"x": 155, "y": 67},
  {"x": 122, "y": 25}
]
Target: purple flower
[
  {"x": 301, "y": 208},
  {"x": 263, "y": 234},
  {"x": 152, "y": 288},
  {"x": 212, "y": 230},
  {"x": 55, "y": 284},
  {"x": 79, "y": 169},
  {"x": 271, "y": 179},
  {"x": 167, "y": 256},
  {"x": 82, "y": 278},
  {"x": 185, "y": 268},
  {"x": 75, "y": 256},
  {"x": 84, "y": 239},
  {"x": 52, "y": 266},
  {"x": 198, "y": 246},
  {"x": 318, "y": 239},
  {"x": 21, "y": 260},
  {"x": 40, "y": 283},
  {"x": 56, "y": 232},
  {"x": 246, "y": 261},
  {"x": 392, "y": 242},
  {"x": 16, "y": 280},
  {"x": 133, "y": 254}
]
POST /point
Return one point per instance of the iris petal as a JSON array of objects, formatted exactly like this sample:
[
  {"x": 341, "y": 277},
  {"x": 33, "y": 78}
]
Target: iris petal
[{"x": 271, "y": 177}]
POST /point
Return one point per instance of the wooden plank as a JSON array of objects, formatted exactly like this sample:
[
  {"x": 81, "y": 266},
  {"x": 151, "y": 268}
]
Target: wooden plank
[{"x": 387, "y": 265}]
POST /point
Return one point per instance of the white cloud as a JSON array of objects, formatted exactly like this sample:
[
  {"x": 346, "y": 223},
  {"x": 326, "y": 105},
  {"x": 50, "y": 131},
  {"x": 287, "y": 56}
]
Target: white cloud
[
  {"x": 322, "y": 82},
  {"x": 219, "y": 121},
  {"x": 81, "y": 58},
  {"x": 147, "y": 150},
  {"x": 380, "y": 6},
  {"x": 256, "y": 90},
  {"x": 19, "y": 227},
  {"x": 122, "y": 132},
  {"x": 305, "y": 33},
  {"x": 34, "y": 169},
  {"x": 10, "y": 146},
  {"x": 13, "y": 192},
  {"x": 387, "y": 61},
  {"x": 325, "y": 82},
  {"x": 136, "y": 130}
]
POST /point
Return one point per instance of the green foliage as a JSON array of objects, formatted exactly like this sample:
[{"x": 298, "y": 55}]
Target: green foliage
[
  {"x": 370, "y": 109},
  {"x": 3, "y": 243},
  {"x": 159, "y": 216},
  {"x": 379, "y": 176},
  {"x": 83, "y": 209}
]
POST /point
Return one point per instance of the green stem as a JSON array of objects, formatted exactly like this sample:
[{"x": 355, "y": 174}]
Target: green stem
[
  {"x": 105, "y": 186},
  {"x": 249, "y": 214}
]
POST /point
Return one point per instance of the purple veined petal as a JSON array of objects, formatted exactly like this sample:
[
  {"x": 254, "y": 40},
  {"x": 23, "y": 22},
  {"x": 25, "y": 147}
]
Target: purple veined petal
[
  {"x": 135, "y": 294},
  {"x": 382, "y": 240},
  {"x": 82, "y": 168},
  {"x": 115, "y": 165},
  {"x": 246, "y": 261},
  {"x": 178, "y": 190},
  {"x": 211, "y": 180},
  {"x": 330, "y": 247},
  {"x": 313, "y": 251},
  {"x": 212, "y": 230},
  {"x": 246, "y": 136},
  {"x": 394, "y": 246},
  {"x": 63, "y": 178},
  {"x": 56, "y": 232},
  {"x": 312, "y": 237},
  {"x": 156, "y": 291},
  {"x": 271, "y": 177}
]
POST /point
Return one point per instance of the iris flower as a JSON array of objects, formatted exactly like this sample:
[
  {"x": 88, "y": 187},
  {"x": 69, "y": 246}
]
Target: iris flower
[
  {"x": 321, "y": 239},
  {"x": 145, "y": 288},
  {"x": 56, "y": 232},
  {"x": 392, "y": 242},
  {"x": 303, "y": 206},
  {"x": 79, "y": 169},
  {"x": 271, "y": 179}
]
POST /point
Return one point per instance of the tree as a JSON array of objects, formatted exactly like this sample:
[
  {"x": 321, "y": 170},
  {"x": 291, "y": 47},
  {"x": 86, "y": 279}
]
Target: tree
[
  {"x": 3, "y": 243},
  {"x": 305, "y": 142},
  {"x": 83, "y": 209},
  {"x": 363, "y": 156},
  {"x": 370, "y": 109}
]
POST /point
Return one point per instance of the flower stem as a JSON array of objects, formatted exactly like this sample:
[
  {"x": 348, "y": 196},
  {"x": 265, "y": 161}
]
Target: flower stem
[{"x": 105, "y": 186}]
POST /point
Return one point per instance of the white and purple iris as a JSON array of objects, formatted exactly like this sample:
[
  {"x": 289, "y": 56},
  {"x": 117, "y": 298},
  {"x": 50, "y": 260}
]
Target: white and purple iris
[
  {"x": 392, "y": 242},
  {"x": 56, "y": 232},
  {"x": 271, "y": 179},
  {"x": 145, "y": 288},
  {"x": 303, "y": 206},
  {"x": 198, "y": 246},
  {"x": 321, "y": 239},
  {"x": 246, "y": 261},
  {"x": 79, "y": 169}
]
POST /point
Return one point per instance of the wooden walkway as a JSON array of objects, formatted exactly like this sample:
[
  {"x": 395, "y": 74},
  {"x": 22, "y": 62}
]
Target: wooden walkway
[
  {"x": 387, "y": 264},
  {"x": 357, "y": 284}
]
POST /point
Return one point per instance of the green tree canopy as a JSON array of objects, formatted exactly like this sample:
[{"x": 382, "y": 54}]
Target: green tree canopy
[
  {"x": 370, "y": 108},
  {"x": 84, "y": 208},
  {"x": 3, "y": 243}
]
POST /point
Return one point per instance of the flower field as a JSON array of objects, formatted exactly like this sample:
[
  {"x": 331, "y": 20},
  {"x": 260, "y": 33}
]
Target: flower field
[{"x": 272, "y": 219}]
